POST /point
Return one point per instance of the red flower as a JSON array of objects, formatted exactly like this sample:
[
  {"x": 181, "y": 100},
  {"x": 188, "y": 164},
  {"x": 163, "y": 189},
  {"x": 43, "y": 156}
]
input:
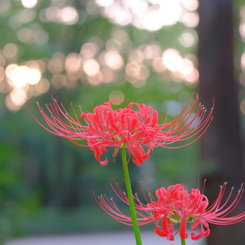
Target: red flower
[
  {"x": 138, "y": 130},
  {"x": 175, "y": 207}
]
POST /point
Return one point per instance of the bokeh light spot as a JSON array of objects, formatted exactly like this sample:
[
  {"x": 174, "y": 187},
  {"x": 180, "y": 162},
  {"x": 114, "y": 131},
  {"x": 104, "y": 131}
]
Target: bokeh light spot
[
  {"x": 190, "y": 19},
  {"x": 158, "y": 65},
  {"x": 69, "y": 15},
  {"x": 25, "y": 35},
  {"x": 151, "y": 15},
  {"x": 242, "y": 79},
  {"x": 11, "y": 105},
  {"x": 20, "y": 76},
  {"x": 2, "y": 74},
  {"x": 187, "y": 39},
  {"x": 42, "y": 87},
  {"x": 104, "y": 3},
  {"x": 108, "y": 75},
  {"x": 132, "y": 69},
  {"x": 52, "y": 13},
  {"x": 242, "y": 30},
  {"x": 95, "y": 79},
  {"x": 10, "y": 50},
  {"x": 55, "y": 65},
  {"x": 116, "y": 94},
  {"x": 58, "y": 81},
  {"x": 88, "y": 50},
  {"x": 190, "y": 5},
  {"x": 29, "y": 3},
  {"x": 2, "y": 59},
  {"x": 113, "y": 60},
  {"x": 4, "y": 6},
  {"x": 15, "y": 99},
  {"x": 33, "y": 76},
  {"x": 18, "y": 96},
  {"x": 243, "y": 61},
  {"x": 242, "y": 106},
  {"x": 91, "y": 67},
  {"x": 72, "y": 62},
  {"x": 172, "y": 60}
]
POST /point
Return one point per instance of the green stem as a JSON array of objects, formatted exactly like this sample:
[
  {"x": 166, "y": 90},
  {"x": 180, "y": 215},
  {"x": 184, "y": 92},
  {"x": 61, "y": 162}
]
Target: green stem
[
  {"x": 182, "y": 241},
  {"x": 130, "y": 197}
]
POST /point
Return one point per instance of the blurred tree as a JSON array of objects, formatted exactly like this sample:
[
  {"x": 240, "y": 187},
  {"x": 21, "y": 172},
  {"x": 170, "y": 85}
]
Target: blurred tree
[{"x": 221, "y": 146}]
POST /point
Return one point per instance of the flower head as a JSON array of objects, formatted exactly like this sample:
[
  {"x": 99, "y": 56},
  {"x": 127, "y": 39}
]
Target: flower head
[
  {"x": 174, "y": 208},
  {"x": 135, "y": 127}
]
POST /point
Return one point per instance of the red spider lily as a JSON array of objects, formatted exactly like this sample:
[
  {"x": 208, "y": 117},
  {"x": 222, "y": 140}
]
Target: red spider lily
[
  {"x": 138, "y": 130},
  {"x": 174, "y": 208}
]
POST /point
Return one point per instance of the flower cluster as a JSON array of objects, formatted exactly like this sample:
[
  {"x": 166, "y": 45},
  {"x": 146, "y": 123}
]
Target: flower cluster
[
  {"x": 135, "y": 127},
  {"x": 175, "y": 207}
]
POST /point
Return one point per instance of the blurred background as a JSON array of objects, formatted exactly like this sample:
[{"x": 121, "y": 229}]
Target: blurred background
[{"x": 88, "y": 52}]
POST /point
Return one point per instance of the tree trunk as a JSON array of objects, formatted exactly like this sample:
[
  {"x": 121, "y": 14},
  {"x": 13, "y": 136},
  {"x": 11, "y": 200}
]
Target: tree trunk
[{"x": 221, "y": 146}]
